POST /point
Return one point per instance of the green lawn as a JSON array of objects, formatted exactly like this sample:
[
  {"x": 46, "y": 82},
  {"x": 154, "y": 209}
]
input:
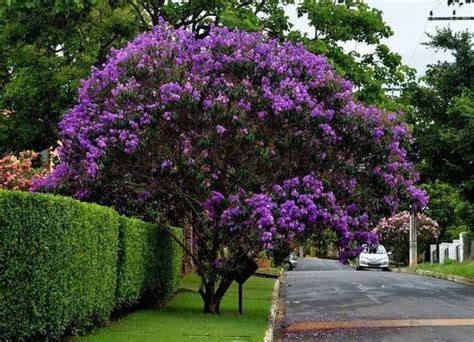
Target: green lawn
[
  {"x": 271, "y": 272},
  {"x": 183, "y": 320},
  {"x": 465, "y": 269}
]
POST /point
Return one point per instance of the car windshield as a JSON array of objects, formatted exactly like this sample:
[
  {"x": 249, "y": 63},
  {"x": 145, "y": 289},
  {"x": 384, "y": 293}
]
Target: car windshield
[{"x": 372, "y": 250}]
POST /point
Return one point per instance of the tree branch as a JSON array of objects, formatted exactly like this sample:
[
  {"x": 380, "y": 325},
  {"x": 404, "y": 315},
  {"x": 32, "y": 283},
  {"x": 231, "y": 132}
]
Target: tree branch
[
  {"x": 259, "y": 7},
  {"x": 139, "y": 12}
]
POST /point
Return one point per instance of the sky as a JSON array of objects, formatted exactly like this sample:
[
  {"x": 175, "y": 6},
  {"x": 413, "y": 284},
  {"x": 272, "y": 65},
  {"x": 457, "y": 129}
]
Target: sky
[{"x": 409, "y": 22}]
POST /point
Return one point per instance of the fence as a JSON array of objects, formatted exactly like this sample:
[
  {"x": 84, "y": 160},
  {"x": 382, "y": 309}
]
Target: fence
[{"x": 461, "y": 249}]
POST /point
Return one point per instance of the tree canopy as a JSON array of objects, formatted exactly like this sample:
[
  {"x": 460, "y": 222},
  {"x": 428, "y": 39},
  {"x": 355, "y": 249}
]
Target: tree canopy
[{"x": 454, "y": 213}]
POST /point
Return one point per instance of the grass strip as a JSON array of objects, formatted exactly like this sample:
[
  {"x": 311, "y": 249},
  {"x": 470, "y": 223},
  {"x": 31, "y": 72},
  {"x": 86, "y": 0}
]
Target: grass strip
[
  {"x": 182, "y": 319},
  {"x": 464, "y": 269}
]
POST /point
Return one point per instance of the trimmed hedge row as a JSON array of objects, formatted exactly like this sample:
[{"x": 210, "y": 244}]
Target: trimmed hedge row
[
  {"x": 66, "y": 265},
  {"x": 149, "y": 263}
]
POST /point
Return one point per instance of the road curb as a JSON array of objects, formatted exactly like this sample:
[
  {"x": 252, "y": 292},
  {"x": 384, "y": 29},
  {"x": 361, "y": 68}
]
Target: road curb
[
  {"x": 273, "y": 312},
  {"x": 275, "y": 327},
  {"x": 454, "y": 278}
]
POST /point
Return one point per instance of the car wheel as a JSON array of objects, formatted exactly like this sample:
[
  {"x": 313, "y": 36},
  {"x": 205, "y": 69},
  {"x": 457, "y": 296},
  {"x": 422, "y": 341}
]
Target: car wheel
[
  {"x": 358, "y": 268},
  {"x": 386, "y": 269}
]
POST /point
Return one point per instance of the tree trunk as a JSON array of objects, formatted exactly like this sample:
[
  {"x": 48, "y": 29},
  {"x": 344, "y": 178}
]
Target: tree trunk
[
  {"x": 212, "y": 305},
  {"x": 212, "y": 299}
]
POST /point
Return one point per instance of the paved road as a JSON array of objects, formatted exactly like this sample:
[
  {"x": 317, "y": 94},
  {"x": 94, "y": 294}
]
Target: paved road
[{"x": 323, "y": 290}]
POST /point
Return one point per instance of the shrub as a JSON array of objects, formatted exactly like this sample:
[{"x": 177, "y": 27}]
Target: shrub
[
  {"x": 394, "y": 233},
  {"x": 169, "y": 263},
  {"x": 58, "y": 259},
  {"x": 17, "y": 173},
  {"x": 65, "y": 265},
  {"x": 149, "y": 263}
]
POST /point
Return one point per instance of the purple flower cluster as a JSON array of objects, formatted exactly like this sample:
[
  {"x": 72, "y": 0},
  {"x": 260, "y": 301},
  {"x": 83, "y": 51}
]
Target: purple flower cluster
[{"x": 288, "y": 210}]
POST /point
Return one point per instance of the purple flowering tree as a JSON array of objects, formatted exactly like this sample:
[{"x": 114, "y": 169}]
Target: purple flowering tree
[{"x": 248, "y": 141}]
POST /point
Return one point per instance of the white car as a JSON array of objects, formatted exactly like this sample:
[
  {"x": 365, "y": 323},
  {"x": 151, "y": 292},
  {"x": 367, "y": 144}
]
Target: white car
[
  {"x": 292, "y": 260},
  {"x": 373, "y": 257}
]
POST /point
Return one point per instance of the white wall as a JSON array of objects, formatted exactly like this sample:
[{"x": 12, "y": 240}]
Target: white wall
[{"x": 466, "y": 248}]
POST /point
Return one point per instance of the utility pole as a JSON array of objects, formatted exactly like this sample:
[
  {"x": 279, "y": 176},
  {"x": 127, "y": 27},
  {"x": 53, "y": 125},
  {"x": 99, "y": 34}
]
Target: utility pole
[{"x": 413, "y": 245}]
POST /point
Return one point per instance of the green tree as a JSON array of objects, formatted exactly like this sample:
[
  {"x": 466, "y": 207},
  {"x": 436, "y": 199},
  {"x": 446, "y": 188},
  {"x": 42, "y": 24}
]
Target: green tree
[
  {"x": 443, "y": 116},
  {"x": 199, "y": 15},
  {"x": 46, "y": 48},
  {"x": 354, "y": 22}
]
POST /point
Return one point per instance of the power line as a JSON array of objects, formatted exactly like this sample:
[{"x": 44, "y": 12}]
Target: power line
[
  {"x": 430, "y": 18},
  {"x": 431, "y": 58},
  {"x": 423, "y": 32},
  {"x": 419, "y": 41}
]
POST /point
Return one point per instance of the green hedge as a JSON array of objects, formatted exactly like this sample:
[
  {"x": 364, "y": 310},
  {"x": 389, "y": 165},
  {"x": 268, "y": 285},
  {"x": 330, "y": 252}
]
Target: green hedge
[
  {"x": 66, "y": 265},
  {"x": 58, "y": 260},
  {"x": 149, "y": 263}
]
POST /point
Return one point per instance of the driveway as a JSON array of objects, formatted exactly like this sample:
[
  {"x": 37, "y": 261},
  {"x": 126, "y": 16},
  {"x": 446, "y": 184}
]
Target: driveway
[{"x": 326, "y": 301}]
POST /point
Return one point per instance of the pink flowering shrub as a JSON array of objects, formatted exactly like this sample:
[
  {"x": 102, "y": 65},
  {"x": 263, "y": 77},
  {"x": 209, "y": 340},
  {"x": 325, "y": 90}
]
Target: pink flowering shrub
[
  {"x": 394, "y": 231},
  {"x": 17, "y": 172},
  {"x": 250, "y": 141}
]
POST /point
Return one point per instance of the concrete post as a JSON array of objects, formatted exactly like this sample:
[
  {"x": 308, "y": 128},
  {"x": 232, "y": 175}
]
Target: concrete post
[
  {"x": 471, "y": 252},
  {"x": 45, "y": 156},
  {"x": 413, "y": 245}
]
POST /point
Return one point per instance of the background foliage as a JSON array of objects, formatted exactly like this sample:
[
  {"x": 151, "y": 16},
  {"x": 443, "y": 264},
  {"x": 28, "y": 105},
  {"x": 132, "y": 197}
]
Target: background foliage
[
  {"x": 451, "y": 210},
  {"x": 46, "y": 48},
  {"x": 442, "y": 117}
]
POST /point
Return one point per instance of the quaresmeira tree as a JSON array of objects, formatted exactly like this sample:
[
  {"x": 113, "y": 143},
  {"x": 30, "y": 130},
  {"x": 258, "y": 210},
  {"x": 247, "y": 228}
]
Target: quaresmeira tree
[{"x": 250, "y": 141}]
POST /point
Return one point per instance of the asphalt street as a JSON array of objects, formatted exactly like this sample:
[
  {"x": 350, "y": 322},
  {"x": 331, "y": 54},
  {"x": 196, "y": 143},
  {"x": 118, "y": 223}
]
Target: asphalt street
[{"x": 325, "y": 291}]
